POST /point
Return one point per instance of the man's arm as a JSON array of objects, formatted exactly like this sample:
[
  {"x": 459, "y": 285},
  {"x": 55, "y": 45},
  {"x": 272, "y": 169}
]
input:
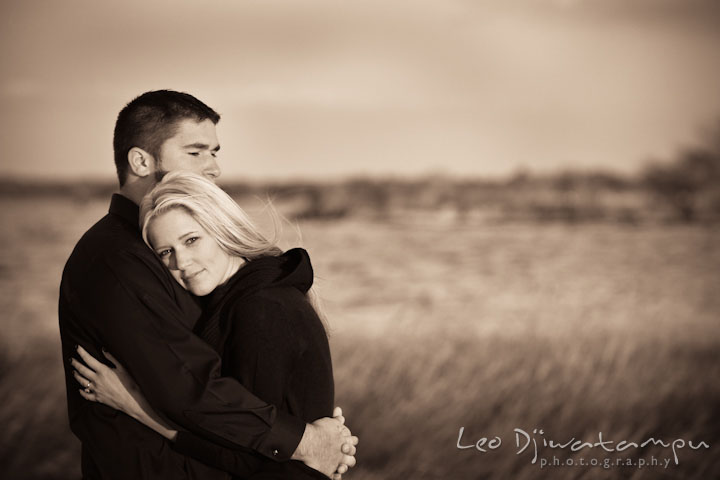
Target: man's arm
[
  {"x": 115, "y": 388},
  {"x": 114, "y": 446}
]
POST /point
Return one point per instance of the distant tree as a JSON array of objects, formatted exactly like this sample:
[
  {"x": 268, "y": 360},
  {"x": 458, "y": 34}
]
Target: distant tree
[{"x": 681, "y": 183}]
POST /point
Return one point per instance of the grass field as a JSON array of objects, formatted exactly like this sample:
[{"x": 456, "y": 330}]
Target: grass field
[{"x": 571, "y": 329}]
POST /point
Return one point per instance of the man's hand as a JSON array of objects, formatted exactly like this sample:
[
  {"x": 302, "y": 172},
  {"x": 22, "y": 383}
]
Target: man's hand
[
  {"x": 328, "y": 446},
  {"x": 348, "y": 447}
]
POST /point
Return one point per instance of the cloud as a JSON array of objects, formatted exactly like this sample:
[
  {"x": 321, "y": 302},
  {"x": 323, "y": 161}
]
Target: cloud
[{"x": 537, "y": 81}]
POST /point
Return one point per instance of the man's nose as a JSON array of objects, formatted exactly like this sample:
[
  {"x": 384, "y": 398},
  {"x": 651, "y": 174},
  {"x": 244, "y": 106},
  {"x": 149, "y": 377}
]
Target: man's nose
[{"x": 212, "y": 169}]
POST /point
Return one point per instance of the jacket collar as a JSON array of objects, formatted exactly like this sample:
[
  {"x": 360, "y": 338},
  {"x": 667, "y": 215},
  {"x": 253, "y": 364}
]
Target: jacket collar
[
  {"x": 125, "y": 208},
  {"x": 291, "y": 269}
]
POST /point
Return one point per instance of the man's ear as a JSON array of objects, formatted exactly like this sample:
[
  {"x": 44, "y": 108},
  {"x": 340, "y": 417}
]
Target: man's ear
[{"x": 140, "y": 162}]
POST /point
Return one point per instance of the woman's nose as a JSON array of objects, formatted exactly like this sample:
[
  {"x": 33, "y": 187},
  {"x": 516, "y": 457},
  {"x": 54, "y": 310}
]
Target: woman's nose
[{"x": 182, "y": 260}]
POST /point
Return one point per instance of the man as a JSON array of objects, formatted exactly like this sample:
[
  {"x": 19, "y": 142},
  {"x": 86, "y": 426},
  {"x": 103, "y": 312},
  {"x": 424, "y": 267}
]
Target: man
[{"x": 115, "y": 294}]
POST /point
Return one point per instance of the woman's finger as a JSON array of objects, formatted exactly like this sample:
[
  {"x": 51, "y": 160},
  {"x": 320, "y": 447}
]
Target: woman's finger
[
  {"x": 88, "y": 395},
  {"x": 81, "y": 380},
  {"x": 84, "y": 371},
  {"x": 342, "y": 468},
  {"x": 337, "y": 412},
  {"x": 112, "y": 359},
  {"x": 89, "y": 359}
]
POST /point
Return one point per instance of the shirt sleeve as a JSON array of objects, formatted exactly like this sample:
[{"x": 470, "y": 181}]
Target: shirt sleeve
[
  {"x": 239, "y": 462},
  {"x": 128, "y": 299}
]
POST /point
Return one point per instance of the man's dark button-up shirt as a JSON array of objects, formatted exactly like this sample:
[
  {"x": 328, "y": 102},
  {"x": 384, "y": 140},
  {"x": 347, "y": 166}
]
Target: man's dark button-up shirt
[{"x": 116, "y": 294}]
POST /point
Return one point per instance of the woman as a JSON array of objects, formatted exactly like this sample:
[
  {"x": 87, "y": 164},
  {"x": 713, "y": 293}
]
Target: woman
[{"x": 256, "y": 315}]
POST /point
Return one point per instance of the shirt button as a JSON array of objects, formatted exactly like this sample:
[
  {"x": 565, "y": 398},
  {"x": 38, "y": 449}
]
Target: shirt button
[{"x": 275, "y": 453}]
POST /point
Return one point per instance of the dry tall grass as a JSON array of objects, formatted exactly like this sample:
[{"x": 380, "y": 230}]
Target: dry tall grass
[{"x": 572, "y": 329}]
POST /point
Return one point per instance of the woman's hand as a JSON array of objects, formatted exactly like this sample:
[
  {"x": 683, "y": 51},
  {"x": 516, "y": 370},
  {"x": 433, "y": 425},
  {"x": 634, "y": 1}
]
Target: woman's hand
[{"x": 113, "y": 387}]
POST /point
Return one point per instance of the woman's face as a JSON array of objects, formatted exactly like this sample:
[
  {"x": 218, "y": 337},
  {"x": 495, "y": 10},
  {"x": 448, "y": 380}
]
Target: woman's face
[{"x": 194, "y": 258}]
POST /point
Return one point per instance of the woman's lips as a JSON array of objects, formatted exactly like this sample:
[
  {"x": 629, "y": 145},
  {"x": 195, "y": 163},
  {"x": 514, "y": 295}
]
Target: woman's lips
[{"x": 189, "y": 277}]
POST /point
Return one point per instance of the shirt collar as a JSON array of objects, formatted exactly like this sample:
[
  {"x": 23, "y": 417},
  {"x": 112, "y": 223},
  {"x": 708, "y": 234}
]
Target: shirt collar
[{"x": 125, "y": 209}]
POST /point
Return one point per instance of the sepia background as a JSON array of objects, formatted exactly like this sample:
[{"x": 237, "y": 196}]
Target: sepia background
[{"x": 512, "y": 209}]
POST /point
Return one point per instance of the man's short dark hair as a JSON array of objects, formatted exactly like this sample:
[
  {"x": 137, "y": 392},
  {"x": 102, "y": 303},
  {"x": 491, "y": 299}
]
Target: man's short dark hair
[{"x": 150, "y": 119}]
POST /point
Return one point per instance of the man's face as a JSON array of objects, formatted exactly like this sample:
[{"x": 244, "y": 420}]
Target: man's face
[{"x": 193, "y": 148}]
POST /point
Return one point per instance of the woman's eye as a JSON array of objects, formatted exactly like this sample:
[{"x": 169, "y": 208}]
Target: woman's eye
[
  {"x": 164, "y": 253},
  {"x": 194, "y": 154},
  {"x": 191, "y": 240}
]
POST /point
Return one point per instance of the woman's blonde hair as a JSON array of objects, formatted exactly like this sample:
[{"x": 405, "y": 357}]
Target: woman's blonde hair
[
  {"x": 213, "y": 209},
  {"x": 219, "y": 215}
]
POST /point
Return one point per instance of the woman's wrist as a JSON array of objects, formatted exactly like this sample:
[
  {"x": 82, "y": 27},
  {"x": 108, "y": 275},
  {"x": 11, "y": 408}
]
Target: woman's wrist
[
  {"x": 134, "y": 408},
  {"x": 148, "y": 417}
]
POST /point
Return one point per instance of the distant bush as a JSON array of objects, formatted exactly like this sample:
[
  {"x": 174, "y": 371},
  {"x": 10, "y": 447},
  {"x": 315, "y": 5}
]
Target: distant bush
[
  {"x": 685, "y": 189},
  {"x": 690, "y": 185},
  {"x": 84, "y": 190}
]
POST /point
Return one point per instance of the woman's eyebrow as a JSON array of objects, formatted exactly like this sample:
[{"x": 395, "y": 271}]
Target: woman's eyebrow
[
  {"x": 185, "y": 235},
  {"x": 181, "y": 237},
  {"x": 160, "y": 248}
]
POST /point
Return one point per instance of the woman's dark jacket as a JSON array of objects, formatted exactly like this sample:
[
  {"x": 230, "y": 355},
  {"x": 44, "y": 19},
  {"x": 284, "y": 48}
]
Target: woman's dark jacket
[{"x": 270, "y": 339}]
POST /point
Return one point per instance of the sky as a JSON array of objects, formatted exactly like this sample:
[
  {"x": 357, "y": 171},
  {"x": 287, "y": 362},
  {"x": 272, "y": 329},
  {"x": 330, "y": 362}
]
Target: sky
[{"x": 330, "y": 89}]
